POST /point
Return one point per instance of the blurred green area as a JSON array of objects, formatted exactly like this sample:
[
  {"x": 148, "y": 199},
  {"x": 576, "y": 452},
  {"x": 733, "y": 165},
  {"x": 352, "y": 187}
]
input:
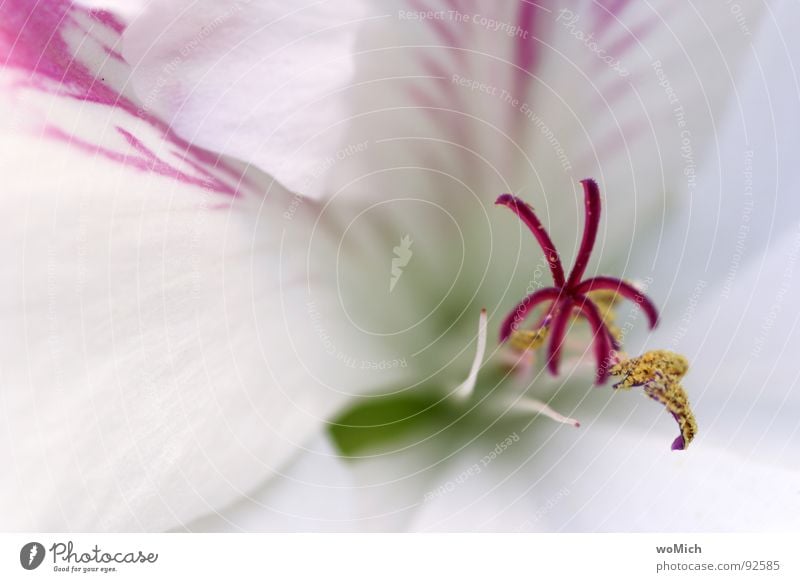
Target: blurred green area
[{"x": 383, "y": 423}]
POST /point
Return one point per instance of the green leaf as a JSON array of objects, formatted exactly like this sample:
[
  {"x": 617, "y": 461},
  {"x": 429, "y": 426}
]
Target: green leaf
[{"x": 378, "y": 422}]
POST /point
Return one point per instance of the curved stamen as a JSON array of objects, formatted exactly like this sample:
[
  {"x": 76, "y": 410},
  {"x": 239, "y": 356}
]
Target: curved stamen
[
  {"x": 467, "y": 387},
  {"x": 626, "y": 290},
  {"x": 672, "y": 395},
  {"x": 659, "y": 373},
  {"x": 517, "y": 315},
  {"x": 528, "y": 216},
  {"x": 539, "y": 407},
  {"x": 560, "y": 321},
  {"x": 602, "y": 337},
  {"x": 592, "y": 220}
]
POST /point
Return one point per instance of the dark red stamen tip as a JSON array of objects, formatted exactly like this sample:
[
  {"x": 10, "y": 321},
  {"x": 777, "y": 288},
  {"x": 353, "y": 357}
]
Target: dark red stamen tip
[
  {"x": 567, "y": 296},
  {"x": 678, "y": 444},
  {"x": 528, "y": 216},
  {"x": 591, "y": 223},
  {"x": 601, "y": 340},
  {"x": 557, "y": 333},
  {"x": 627, "y": 290},
  {"x": 516, "y": 316}
]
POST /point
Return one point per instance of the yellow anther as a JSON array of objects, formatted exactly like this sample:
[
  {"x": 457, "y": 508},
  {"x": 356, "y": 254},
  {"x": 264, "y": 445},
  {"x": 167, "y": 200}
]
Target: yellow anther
[
  {"x": 659, "y": 373},
  {"x": 604, "y": 299},
  {"x": 528, "y": 340},
  {"x": 650, "y": 366},
  {"x": 674, "y": 398},
  {"x": 614, "y": 331},
  {"x": 606, "y": 302}
]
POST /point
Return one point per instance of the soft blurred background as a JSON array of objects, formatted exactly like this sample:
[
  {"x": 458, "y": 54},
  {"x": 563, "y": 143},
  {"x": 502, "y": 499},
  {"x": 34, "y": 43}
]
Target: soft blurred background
[{"x": 247, "y": 245}]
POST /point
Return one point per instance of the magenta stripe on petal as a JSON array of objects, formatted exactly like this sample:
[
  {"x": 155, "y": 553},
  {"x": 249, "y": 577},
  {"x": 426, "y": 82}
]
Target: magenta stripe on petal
[
  {"x": 606, "y": 14},
  {"x": 631, "y": 39},
  {"x": 526, "y": 59},
  {"x": 626, "y": 290},
  {"x": 444, "y": 29},
  {"x": 33, "y": 40},
  {"x": 517, "y": 316},
  {"x": 528, "y": 216},
  {"x": 526, "y": 55},
  {"x": 592, "y": 220}
]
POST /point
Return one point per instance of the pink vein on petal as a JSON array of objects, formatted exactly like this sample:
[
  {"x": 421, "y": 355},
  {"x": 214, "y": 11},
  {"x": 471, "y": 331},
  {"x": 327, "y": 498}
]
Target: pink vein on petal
[
  {"x": 525, "y": 54},
  {"x": 607, "y": 13},
  {"x": 108, "y": 20},
  {"x": 147, "y": 162},
  {"x": 443, "y": 29},
  {"x": 631, "y": 39},
  {"x": 31, "y": 40},
  {"x": 110, "y": 51},
  {"x": 165, "y": 169}
]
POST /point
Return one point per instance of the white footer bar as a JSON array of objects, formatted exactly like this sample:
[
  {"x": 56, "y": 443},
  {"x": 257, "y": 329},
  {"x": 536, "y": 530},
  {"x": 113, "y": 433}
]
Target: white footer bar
[{"x": 399, "y": 557}]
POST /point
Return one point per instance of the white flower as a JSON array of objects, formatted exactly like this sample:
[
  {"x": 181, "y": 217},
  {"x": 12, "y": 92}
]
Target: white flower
[{"x": 202, "y": 208}]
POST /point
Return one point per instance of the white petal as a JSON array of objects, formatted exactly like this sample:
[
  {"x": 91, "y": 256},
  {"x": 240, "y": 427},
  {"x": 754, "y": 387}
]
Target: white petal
[
  {"x": 158, "y": 358},
  {"x": 737, "y": 323},
  {"x": 161, "y": 355},
  {"x": 81, "y": 62},
  {"x": 468, "y": 100},
  {"x": 612, "y": 479},
  {"x": 257, "y": 80},
  {"x": 316, "y": 493},
  {"x": 617, "y": 473},
  {"x": 643, "y": 135},
  {"x": 729, "y": 275},
  {"x": 746, "y": 200},
  {"x": 742, "y": 342},
  {"x": 125, "y": 9}
]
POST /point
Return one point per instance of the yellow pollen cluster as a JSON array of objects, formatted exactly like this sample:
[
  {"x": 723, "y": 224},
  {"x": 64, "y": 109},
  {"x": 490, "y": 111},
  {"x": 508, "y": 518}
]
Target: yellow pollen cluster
[
  {"x": 659, "y": 373},
  {"x": 528, "y": 340},
  {"x": 604, "y": 298},
  {"x": 650, "y": 366},
  {"x": 675, "y": 400},
  {"x": 606, "y": 302}
]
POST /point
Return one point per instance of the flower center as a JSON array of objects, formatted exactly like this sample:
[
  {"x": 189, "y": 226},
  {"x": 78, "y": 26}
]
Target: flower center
[{"x": 593, "y": 299}]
